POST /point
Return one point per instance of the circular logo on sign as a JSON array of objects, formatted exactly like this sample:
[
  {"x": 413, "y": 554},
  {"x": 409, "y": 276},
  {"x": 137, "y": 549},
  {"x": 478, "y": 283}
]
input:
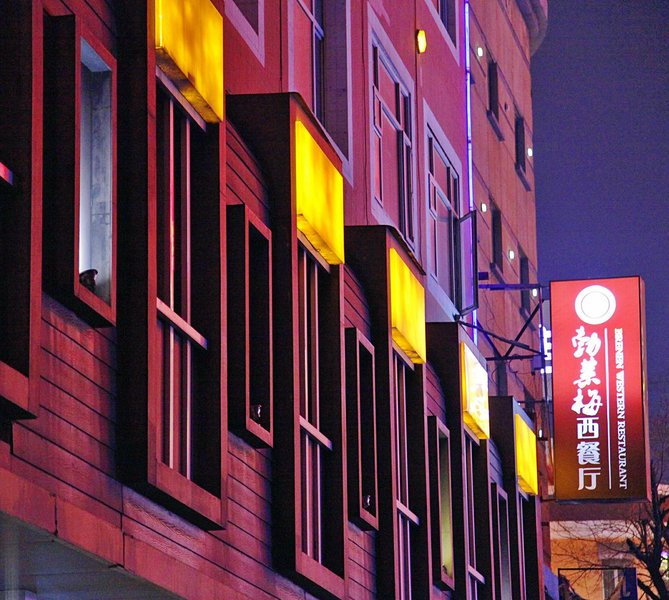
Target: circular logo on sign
[{"x": 595, "y": 304}]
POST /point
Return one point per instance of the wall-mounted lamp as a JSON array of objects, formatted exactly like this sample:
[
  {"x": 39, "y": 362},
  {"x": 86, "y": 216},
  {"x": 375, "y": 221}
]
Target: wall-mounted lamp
[
  {"x": 512, "y": 255},
  {"x": 421, "y": 41},
  {"x": 479, "y": 51},
  {"x": 530, "y": 152},
  {"x": 484, "y": 207},
  {"x": 535, "y": 292}
]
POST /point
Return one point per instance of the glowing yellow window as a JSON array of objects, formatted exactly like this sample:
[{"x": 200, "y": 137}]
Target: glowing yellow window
[
  {"x": 189, "y": 44},
  {"x": 319, "y": 197},
  {"x": 474, "y": 392},
  {"x": 407, "y": 309},
  {"x": 526, "y": 456}
]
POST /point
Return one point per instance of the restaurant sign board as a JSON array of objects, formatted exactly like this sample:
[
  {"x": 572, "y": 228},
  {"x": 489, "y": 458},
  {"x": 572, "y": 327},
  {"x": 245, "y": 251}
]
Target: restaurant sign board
[{"x": 599, "y": 393}]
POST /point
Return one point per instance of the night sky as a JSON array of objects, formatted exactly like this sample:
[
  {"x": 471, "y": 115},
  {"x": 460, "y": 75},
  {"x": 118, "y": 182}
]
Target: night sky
[{"x": 601, "y": 152}]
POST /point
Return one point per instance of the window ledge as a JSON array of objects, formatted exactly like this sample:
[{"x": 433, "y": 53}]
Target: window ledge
[{"x": 494, "y": 122}]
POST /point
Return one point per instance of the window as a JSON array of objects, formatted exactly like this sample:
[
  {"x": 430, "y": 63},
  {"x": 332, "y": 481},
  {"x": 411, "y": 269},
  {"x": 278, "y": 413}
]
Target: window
[
  {"x": 21, "y": 216},
  {"x": 521, "y": 162},
  {"x": 319, "y": 420},
  {"x": 407, "y": 520},
  {"x": 250, "y": 10},
  {"x": 441, "y": 503},
  {"x": 79, "y": 163},
  {"x": 95, "y": 184},
  {"x": 497, "y": 246},
  {"x": 448, "y": 17},
  {"x": 493, "y": 89},
  {"x": 361, "y": 423},
  {"x": 476, "y": 579},
  {"x": 524, "y": 279},
  {"x": 187, "y": 401},
  {"x": 520, "y": 143},
  {"x": 182, "y": 344},
  {"x": 493, "y": 98},
  {"x": 321, "y": 63},
  {"x": 250, "y": 347},
  {"x": 392, "y": 146},
  {"x": 309, "y": 44},
  {"x": 501, "y": 542},
  {"x": 444, "y": 211},
  {"x": 452, "y": 234}
]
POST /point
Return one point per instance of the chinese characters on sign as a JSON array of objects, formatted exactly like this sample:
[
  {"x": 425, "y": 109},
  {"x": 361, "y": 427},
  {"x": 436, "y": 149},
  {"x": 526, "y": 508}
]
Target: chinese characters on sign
[{"x": 598, "y": 392}]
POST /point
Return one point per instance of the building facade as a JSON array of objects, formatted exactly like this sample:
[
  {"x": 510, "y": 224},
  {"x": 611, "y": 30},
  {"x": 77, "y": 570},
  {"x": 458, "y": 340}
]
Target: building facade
[{"x": 268, "y": 273}]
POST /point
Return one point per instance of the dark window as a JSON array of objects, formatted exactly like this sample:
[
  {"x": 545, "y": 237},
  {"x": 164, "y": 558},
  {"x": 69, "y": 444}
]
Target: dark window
[
  {"x": 525, "y": 279},
  {"x": 361, "y": 424},
  {"x": 497, "y": 247},
  {"x": 493, "y": 89},
  {"x": 250, "y": 8},
  {"x": 493, "y": 98},
  {"x": 392, "y": 146},
  {"x": 448, "y": 17},
  {"x": 250, "y": 347},
  {"x": 520, "y": 143}
]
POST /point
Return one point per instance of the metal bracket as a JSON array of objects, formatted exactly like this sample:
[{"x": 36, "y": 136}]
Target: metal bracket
[{"x": 512, "y": 343}]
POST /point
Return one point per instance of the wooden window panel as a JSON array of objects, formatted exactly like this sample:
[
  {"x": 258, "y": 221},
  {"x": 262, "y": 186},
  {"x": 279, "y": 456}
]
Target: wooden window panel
[
  {"x": 79, "y": 164},
  {"x": 21, "y": 214},
  {"x": 313, "y": 441},
  {"x": 501, "y": 545},
  {"x": 319, "y": 425},
  {"x": 361, "y": 430},
  {"x": 185, "y": 463},
  {"x": 250, "y": 345},
  {"x": 441, "y": 504},
  {"x": 409, "y": 478}
]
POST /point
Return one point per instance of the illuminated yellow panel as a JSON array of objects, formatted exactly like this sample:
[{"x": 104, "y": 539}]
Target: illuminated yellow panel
[
  {"x": 319, "y": 197},
  {"x": 474, "y": 393},
  {"x": 526, "y": 456},
  {"x": 189, "y": 48},
  {"x": 407, "y": 309}
]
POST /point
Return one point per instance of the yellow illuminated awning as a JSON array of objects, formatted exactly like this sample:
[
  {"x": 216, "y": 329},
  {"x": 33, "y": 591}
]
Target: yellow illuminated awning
[
  {"x": 407, "y": 309},
  {"x": 526, "y": 456},
  {"x": 474, "y": 393},
  {"x": 319, "y": 197},
  {"x": 189, "y": 44}
]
